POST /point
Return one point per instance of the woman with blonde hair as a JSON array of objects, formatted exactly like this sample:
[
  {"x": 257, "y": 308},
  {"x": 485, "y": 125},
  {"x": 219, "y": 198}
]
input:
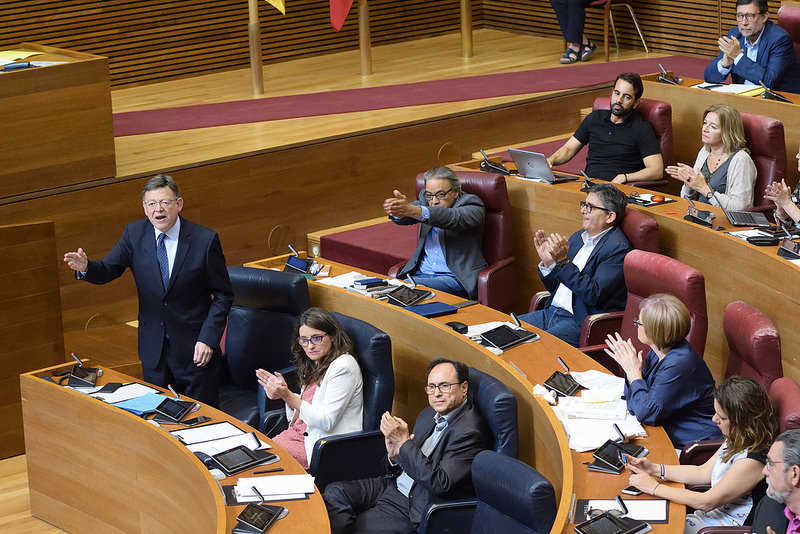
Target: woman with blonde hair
[
  {"x": 672, "y": 385},
  {"x": 724, "y": 173},
  {"x": 747, "y": 421}
]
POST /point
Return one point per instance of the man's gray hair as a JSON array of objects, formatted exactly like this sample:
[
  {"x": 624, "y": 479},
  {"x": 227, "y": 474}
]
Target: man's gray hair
[
  {"x": 791, "y": 446},
  {"x": 158, "y": 181},
  {"x": 444, "y": 173}
]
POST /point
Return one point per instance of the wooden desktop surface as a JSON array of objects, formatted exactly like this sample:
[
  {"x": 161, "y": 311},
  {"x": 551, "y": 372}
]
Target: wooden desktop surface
[
  {"x": 543, "y": 444},
  {"x": 94, "y": 467}
]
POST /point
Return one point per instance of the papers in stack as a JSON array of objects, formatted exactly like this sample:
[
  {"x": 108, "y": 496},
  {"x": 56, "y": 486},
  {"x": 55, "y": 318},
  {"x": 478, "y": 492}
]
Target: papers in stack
[
  {"x": 214, "y": 431},
  {"x": 589, "y": 434},
  {"x": 599, "y": 385},
  {"x": 143, "y": 404},
  {"x": 125, "y": 392},
  {"x": 651, "y": 510},
  {"x": 727, "y": 87},
  {"x": 216, "y": 446},
  {"x": 579, "y": 408},
  {"x": 274, "y": 487}
]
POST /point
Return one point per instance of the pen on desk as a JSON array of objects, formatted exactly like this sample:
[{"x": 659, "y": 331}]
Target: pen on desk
[
  {"x": 514, "y": 365},
  {"x": 268, "y": 471},
  {"x": 564, "y": 365},
  {"x": 169, "y": 387}
]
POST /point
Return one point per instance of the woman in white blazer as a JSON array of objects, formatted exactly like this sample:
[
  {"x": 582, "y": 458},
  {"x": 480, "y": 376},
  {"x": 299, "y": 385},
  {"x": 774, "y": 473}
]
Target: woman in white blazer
[{"x": 331, "y": 399}]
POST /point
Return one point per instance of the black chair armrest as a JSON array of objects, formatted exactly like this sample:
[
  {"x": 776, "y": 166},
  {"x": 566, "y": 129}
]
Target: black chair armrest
[
  {"x": 273, "y": 422},
  {"x": 448, "y": 517},
  {"x": 348, "y": 457},
  {"x": 724, "y": 530},
  {"x": 697, "y": 452}
]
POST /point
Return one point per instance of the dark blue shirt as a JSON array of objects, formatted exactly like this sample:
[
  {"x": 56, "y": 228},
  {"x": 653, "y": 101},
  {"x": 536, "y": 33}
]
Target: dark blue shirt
[{"x": 676, "y": 392}]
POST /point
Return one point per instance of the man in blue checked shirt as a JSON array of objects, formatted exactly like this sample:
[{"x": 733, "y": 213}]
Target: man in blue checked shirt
[{"x": 449, "y": 254}]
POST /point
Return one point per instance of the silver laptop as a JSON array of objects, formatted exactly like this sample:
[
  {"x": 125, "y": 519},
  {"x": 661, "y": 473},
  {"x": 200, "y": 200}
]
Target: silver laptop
[
  {"x": 533, "y": 165},
  {"x": 746, "y": 218}
]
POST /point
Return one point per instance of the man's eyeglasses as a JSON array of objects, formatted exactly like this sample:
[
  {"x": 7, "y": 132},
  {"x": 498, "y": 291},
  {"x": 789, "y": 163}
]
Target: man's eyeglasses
[
  {"x": 444, "y": 387},
  {"x": 439, "y": 194},
  {"x": 316, "y": 340},
  {"x": 588, "y": 206},
  {"x": 771, "y": 463},
  {"x": 637, "y": 322},
  {"x": 749, "y": 17},
  {"x": 166, "y": 203}
]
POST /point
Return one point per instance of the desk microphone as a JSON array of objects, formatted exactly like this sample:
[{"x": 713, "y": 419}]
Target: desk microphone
[
  {"x": 80, "y": 363},
  {"x": 169, "y": 387},
  {"x": 411, "y": 279},
  {"x": 785, "y": 231},
  {"x": 293, "y": 250},
  {"x": 516, "y": 321},
  {"x": 564, "y": 365},
  {"x": 255, "y": 489},
  {"x": 621, "y": 505}
]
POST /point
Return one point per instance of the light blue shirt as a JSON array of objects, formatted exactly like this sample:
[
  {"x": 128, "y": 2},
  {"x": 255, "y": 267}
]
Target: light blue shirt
[
  {"x": 433, "y": 260},
  {"x": 750, "y": 50}
]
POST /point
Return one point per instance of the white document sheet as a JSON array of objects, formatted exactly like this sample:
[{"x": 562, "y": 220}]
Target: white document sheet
[
  {"x": 125, "y": 392},
  {"x": 275, "y": 485},
  {"x": 216, "y": 446},
  {"x": 602, "y": 386},
  {"x": 641, "y": 509},
  {"x": 214, "y": 431}
]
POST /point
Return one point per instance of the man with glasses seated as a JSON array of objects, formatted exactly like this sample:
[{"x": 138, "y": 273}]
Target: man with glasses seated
[
  {"x": 433, "y": 462},
  {"x": 184, "y": 291},
  {"x": 779, "y": 512},
  {"x": 449, "y": 253},
  {"x": 583, "y": 275},
  {"x": 756, "y": 50}
]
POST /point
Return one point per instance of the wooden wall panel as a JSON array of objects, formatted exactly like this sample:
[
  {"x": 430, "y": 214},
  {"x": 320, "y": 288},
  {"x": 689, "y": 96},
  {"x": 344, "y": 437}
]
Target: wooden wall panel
[
  {"x": 30, "y": 319},
  {"x": 149, "y": 41}
]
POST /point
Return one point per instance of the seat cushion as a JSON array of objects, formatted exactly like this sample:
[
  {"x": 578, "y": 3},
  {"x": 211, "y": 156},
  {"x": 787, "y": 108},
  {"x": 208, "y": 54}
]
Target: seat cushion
[{"x": 375, "y": 248}]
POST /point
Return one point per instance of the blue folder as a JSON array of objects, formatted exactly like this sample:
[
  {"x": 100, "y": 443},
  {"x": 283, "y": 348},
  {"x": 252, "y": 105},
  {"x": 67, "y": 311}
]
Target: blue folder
[
  {"x": 142, "y": 405},
  {"x": 432, "y": 309}
]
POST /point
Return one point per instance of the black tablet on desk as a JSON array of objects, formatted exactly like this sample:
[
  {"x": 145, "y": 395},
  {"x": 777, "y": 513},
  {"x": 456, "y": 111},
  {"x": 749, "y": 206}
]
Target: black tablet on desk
[
  {"x": 174, "y": 409},
  {"x": 504, "y": 337},
  {"x": 240, "y": 458}
]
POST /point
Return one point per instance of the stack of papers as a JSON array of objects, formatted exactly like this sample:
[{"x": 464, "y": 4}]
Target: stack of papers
[
  {"x": 200, "y": 434},
  {"x": 216, "y": 446},
  {"x": 123, "y": 393},
  {"x": 578, "y": 408},
  {"x": 274, "y": 488},
  {"x": 589, "y": 434},
  {"x": 599, "y": 386}
]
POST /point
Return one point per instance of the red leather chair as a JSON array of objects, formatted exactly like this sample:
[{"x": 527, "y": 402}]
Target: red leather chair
[
  {"x": 656, "y": 112},
  {"x": 789, "y": 20},
  {"x": 754, "y": 346},
  {"x": 608, "y": 17},
  {"x": 642, "y": 231},
  {"x": 767, "y": 144},
  {"x": 497, "y": 283},
  {"x": 647, "y": 273},
  {"x": 785, "y": 395}
]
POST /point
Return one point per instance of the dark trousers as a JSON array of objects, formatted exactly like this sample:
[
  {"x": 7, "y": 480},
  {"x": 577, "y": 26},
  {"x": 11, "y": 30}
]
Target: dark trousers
[
  {"x": 571, "y": 15},
  {"x": 368, "y": 506},
  {"x": 180, "y": 371}
]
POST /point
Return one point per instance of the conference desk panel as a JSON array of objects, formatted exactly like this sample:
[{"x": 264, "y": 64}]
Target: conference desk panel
[
  {"x": 93, "y": 467},
  {"x": 416, "y": 341}
]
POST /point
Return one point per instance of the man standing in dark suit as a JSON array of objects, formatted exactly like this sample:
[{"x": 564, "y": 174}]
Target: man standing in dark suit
[
  {"x": 756, "y": 50},
  {"x": 449, "y": 253},
  {"x": 584, "y": 275},
  {"x": 184, "y": 291},
  {"x": 433, "y": 462}
]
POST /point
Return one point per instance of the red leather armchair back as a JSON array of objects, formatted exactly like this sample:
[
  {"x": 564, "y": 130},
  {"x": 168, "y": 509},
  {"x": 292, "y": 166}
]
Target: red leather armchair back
[
  {"x": 767, "y": 145},
  {"x": 754, "y": 346},
  {"x": 641, "y": 230},
  {"x": 785, "y": 395},
  {"x": 789, "y": 20},
  {"x": 647, "y": 273},
  {"x": 657, "y": 113},
  {"x": 491, "y": 188}
]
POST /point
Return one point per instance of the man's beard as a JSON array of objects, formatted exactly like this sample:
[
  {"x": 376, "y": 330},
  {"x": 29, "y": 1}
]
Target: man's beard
[
  {"x": 618, "y": 111},
  {"x": 776, "y": 496}
]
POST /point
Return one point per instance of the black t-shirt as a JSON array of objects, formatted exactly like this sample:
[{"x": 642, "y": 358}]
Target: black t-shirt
[{"x": 616, "y": 148}]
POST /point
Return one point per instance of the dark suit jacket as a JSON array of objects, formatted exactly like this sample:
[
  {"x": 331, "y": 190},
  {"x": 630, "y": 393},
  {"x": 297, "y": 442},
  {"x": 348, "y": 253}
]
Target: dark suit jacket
[
  {"x": 185, "y": 313},
  {"x": 460, "y": 236},
  {"x": 600, "y": 286},
  {"x": 447, "y": 473},
  {"x": 769, "y": 513},
  {"x": 776, "y": 63}
]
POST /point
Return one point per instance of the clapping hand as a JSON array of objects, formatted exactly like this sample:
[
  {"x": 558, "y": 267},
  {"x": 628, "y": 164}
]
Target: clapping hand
[
  {"x": 779, "y": 193},
  {"x": 551, "y": 249},
  {"x": 686, "y": 174},
  {"x": 624, "y": 353},
  {"x": 77, "y": 261},
  {"x": 730, "y": 47},
  {"x": 399, "y": 206},
  {"x": 395, "y": 433},
  {"x": 274, "y": 384}
]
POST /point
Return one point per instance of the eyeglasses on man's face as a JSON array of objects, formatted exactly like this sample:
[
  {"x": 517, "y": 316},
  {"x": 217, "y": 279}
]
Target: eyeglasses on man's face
[
  {"x": 588, "y": 206},
  {"x": 165, "y": 203},
  {"x": 444, "y": 387},
  {"x": 439, "y": 194},
  {"x": 771, "y": 463},
  {"x": 749, "y": 17},
  {"x": 316, "y": 340}
]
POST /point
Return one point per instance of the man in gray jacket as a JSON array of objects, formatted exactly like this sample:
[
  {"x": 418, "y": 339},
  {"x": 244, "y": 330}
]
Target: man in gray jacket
[{"x": 449, "y": 253}]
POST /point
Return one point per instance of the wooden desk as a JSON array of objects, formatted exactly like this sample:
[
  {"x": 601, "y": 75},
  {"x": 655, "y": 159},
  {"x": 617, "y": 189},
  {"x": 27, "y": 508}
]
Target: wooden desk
[
  {"x": 60, "y": 116},
  {"x": 543, "y": 444},
  {"x": 93, "y": 467}
]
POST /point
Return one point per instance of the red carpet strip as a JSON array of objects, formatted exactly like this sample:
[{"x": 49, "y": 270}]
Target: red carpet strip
[{"x": 392, "y": 96}]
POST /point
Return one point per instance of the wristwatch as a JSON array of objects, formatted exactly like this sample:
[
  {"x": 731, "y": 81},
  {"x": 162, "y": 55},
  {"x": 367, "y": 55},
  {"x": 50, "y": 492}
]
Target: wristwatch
[{"x": 710, "y": 194}]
